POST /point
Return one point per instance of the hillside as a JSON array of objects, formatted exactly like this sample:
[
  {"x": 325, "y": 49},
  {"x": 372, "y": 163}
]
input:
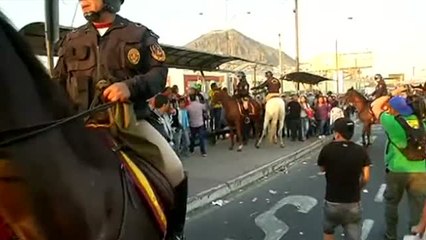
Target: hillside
[{"x": 239, "y": 45}]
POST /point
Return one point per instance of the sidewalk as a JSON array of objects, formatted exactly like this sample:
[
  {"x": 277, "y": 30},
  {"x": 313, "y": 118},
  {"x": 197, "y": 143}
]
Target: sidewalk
[{"x": 224, "y": 171}]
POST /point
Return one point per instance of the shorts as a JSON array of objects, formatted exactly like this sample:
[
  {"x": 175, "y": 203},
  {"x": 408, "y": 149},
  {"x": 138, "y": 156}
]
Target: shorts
[{"x": 347, "y": 215}]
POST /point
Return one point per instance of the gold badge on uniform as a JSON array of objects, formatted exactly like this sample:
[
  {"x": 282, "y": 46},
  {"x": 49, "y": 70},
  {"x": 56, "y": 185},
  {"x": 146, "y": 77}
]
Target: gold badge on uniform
[
  {"x": 134, "y": 56},
  {"x": 158, "y": 53}
]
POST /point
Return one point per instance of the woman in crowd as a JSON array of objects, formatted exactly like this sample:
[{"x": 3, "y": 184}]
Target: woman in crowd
[
  {"x": 306, "y": 115},
  {"x": 322, "y": 110}
]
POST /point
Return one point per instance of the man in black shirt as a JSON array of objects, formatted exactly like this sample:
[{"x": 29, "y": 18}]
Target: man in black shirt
[
  {"x": 293, "y": 118},
  {"x": 347, "y": 171}
]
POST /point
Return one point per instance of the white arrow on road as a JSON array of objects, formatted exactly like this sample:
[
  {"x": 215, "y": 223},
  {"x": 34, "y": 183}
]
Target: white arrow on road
[
  {"x": 367, "y": 225},
  {"x": 373, "y": 138},
  {"x": 273, "y": 227},
  {"x": 380, "y": 194}
]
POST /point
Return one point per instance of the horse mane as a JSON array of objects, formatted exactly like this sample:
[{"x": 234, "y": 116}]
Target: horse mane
[{"x": 358, "y": 94}]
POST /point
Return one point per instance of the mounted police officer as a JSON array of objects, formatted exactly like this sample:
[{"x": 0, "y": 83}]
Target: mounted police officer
[
  {"x": 242, "y": 93},
  {"x": 272, "y": 84},
  {"x": 381, "y": 88},
  {"x": 126, "y": 55}
]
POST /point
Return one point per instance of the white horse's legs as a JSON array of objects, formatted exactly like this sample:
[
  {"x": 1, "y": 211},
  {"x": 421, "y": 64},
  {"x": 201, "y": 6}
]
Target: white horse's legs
[
  {"x": 280, "y": 131},
  {"x": 265, "y": 127},
  {"x": 273, "y": 130},
  {"x": 274, "y": 112}
]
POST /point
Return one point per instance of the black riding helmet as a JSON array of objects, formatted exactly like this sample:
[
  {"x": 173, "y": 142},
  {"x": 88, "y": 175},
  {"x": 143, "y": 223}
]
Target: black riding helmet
[
  {"x": 378, "y": 77},
  {"x": 241, "y": 75},
  {"x": 112, "y": 6},
  {"x": 269, "y": 73}
]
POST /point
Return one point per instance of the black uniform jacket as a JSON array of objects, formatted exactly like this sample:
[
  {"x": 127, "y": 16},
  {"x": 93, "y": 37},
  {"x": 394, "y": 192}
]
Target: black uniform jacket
[{"x": 127, "y": 52}]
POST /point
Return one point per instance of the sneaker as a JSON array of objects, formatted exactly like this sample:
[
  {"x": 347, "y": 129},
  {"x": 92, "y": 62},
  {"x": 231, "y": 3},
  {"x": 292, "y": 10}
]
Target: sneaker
[{"x": 204, "y": 155}]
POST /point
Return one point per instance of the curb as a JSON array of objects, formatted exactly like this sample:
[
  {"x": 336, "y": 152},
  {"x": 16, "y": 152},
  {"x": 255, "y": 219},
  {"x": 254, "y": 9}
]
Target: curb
[{"x": 206, "y": 197}]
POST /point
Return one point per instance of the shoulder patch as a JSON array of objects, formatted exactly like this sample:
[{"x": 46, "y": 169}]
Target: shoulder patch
[
  {"x": 157, "y": 52},
  {"x": 134, "y": 56}
]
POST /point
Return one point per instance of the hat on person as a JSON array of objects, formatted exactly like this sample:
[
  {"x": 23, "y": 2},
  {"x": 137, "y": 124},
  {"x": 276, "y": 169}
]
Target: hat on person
[
  {"x": 345, "y": 127},
  {"x": 401, "y": 106}
]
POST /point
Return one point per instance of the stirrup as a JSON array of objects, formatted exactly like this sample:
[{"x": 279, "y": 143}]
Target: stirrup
[{"x": 246, "y": 120}]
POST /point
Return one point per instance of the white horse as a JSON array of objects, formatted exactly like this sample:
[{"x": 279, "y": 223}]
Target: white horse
[{"x": 274, "y": 113}]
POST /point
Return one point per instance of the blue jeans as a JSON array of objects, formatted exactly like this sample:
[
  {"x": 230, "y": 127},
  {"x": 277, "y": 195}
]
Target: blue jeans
[
  {"x": 322, "y": 127},
  {"x": 198, "y": 133},
  {"x": 215, "y": 115},
  {"x": 305, "y": 127},
  {"x": 347, "y": 215},
  {"x": 182, "y": 141}
]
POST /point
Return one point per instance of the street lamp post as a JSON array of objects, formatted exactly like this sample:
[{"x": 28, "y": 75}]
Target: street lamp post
[
  {"x": 280, "y": 64},
  {"x": 296, "y": 20},
  {"x": 337, "y": 62}
]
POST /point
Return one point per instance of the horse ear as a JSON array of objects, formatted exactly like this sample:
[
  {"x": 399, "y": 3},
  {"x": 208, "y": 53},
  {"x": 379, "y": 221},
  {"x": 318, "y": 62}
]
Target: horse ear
[{"x": 352, "y": 88}]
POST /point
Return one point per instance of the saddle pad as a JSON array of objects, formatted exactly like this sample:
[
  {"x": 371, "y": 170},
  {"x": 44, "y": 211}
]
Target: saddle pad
[{"x": 144, "y": 186}]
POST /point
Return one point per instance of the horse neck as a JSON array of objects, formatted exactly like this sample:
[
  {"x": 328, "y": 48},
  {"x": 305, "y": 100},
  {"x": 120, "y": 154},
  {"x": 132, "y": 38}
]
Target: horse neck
[
  {"x": 227, "y": 101},
  {"x": 359, "y": 102}
]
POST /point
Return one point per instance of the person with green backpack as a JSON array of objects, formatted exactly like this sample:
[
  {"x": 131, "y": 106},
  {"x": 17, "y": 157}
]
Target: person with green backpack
[{"x": 404, "y": 158}]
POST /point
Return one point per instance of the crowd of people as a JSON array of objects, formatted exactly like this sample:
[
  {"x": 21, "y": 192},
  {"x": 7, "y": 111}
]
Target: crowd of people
[{"x": 185, "y": 120}]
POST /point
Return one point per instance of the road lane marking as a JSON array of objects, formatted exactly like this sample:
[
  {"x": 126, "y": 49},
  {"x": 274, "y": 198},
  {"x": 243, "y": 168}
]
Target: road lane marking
[
  {"x": 380, "y": 194},
  {"x": 367, "y": 225},
  {"x": 373, "y": 138},
  {"x": 273, "y": 227}
]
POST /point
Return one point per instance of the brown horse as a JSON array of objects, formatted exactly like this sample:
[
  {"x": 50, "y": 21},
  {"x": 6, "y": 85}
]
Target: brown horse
[
  {"x": 365, "y": 114},
  {"x": 234, "y": 113}
]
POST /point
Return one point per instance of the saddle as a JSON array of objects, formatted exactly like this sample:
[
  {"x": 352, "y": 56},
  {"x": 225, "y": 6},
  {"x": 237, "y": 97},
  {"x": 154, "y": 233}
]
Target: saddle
[{"x": 122, "y": 136}]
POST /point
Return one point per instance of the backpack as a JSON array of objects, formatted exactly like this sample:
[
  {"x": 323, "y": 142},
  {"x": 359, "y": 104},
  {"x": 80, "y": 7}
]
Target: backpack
[{"x": 416, "y": 140}]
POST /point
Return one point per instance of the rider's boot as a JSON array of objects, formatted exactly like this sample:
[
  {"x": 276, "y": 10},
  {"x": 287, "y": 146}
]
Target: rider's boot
[{"x": 178, "y": 214}]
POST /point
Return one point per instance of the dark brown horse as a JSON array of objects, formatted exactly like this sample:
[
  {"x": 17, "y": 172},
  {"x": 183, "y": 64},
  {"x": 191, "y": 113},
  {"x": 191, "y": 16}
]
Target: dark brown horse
[
  {"x": 234, "y": 112},
  {"x": 365, "y": 115},
  {"x": 59, "y": 179}
]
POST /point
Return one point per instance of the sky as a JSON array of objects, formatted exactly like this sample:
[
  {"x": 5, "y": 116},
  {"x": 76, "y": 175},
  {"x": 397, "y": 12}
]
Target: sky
[{"x": 394, "y": 30}]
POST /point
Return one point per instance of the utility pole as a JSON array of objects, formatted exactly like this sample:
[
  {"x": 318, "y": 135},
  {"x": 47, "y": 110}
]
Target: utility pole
[
  {"x": 296, "y": 15},
  {"x": 280, "y": 68},
  {"x": 280, "y": 64}
]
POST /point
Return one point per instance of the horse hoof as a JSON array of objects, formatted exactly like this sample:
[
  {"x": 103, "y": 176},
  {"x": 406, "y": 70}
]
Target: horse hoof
[
  {"x": 282, "y": 145},
  {"x": 240, "y": 148}
]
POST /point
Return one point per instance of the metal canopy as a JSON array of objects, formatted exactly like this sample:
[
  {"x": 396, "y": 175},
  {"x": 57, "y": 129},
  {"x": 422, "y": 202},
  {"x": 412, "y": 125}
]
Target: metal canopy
[
  {"x": 177, "y": 57},
  {"x": 304, "y": 77}
]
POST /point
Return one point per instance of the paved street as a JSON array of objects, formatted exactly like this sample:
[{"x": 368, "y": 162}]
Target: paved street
[
  {"x": 288, "y": 206},
  {"x": 222, "y": 165}
]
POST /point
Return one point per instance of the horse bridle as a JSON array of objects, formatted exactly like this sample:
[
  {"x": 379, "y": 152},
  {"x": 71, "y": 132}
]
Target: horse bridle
[{"x": 13, "y": 136}]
